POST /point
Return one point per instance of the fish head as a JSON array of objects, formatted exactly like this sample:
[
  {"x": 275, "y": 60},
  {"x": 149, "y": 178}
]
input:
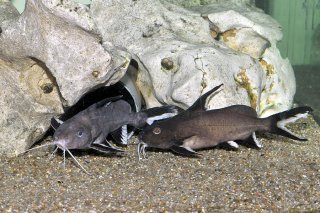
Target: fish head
[
  {"x": 157, "y": 136},
  {"x": 72, "y": 135}
]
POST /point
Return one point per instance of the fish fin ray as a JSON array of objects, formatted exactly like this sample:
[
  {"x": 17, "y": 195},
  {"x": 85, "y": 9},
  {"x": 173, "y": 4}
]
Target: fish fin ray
[
  {"x": 252, "y": 142},
  {"x": 55, "y": 123},
  {"x": 256, "y": 141},
  {"x": 200, "y": 103},
  {"x": 106, "y": 101},
  {"x": 159, "y": 113},
  {"x": 120, "y": 135},
  {"x": 279, "y": 120},
  {"x": 99, "y": 139},
  {"x": 105, "y": 148},
  {"x": 184, "y": 150},
  {"x": 233, "y": 144}
]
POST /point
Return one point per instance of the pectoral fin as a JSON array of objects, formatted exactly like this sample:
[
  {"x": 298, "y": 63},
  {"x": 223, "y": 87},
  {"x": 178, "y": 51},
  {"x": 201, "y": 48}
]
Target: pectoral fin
[
  {"x": 102, "y": 145},
  {"x": 99, "y": 139},
  {"x": 105, "y": 148},
  {"x": 184, "y": 150}
]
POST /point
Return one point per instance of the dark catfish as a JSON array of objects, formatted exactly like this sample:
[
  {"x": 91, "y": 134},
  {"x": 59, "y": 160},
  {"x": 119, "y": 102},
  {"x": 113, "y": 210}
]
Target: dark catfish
[{"x": 198, "y": 128}]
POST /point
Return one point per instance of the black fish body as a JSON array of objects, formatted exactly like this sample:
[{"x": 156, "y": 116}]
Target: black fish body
[{"x": 198, "y": 128}]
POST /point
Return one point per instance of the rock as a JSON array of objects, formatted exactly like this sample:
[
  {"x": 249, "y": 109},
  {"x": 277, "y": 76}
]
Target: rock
[
  {"x": 7, "y": 11},
  {"x": 70, "y": 53},
  {"x": 47, "y": 61},
  {"x": 185, "y": 48},
  {"x": 71, "y": 11},
  {"x": 57, "y": 51},
  {"x": 245, "y": 40},
  {"x": 247, "y": 18},
  {"x": 26, "y": 109}
]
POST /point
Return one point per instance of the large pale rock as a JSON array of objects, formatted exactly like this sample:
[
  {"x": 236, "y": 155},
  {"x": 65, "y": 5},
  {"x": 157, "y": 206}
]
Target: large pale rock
[
  {"x": 187, "y": 47},
  {"x": 56, "y": 51},
  {"x": 74, "y": 56},
  {"x": 72, "y": 12}
]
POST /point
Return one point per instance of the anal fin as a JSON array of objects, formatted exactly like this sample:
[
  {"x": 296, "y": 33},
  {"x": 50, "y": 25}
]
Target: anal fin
[{"x": 184, "y": 150}]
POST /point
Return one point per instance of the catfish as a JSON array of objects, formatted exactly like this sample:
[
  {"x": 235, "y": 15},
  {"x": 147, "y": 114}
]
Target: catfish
[
  {"x": 198, "y": 128},
  {"x": 89, "y": 128}
]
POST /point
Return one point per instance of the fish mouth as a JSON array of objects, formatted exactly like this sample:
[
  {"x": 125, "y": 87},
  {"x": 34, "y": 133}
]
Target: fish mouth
[
  {"x": 142, "y": 149},
  {"x": 61, "y": 144}
]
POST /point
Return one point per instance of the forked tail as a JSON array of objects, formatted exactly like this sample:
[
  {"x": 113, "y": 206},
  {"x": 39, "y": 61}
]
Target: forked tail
[{"x": 279, "y": 120}]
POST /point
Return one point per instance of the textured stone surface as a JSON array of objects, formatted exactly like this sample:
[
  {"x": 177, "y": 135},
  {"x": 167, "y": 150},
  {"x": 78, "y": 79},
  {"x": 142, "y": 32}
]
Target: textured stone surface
[
  {"x": 7, "y": 11},
  {"x": 71, "y": 11},
  {"x": 26, "y": 106},
  {"x": 67, "y": 61},
  {"x": 70, "y": 53},
  {"x": 185, "y": 49}
]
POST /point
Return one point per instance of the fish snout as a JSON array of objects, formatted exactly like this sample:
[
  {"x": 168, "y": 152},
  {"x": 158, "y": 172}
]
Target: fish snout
[{"x": 60, "y": 143}]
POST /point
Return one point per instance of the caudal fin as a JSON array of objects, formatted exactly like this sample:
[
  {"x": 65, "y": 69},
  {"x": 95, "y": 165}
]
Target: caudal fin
[
  {"x": 160, "y": 113},
  {"x": 279, "y": 121}
]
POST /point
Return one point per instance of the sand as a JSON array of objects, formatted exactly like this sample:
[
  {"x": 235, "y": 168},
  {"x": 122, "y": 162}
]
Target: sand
[{"x": 283, "y": 176}]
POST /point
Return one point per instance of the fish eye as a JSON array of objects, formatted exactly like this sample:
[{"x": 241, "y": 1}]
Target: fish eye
[
  {"x": 156, "y": 130},
  {"x": 80, "y": 133}
]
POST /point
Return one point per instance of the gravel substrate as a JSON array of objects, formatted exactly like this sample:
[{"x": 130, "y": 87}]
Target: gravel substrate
[{"x": 283, "y": 176}]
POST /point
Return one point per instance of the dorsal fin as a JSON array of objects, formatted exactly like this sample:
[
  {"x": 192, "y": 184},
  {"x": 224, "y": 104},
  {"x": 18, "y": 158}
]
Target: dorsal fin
[
  {"x": 103, "y": 102},
  {"x": 55, "y": 123},
  {"x": 200, "y": 103}
]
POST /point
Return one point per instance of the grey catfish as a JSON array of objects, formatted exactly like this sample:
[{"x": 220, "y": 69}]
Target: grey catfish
[
  {"x": 198, "y": 128},
  {"x": 89, "y": 128}
]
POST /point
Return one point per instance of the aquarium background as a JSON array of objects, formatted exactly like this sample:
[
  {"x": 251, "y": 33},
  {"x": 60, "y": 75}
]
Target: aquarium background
[{"x": 300, "y": 21}]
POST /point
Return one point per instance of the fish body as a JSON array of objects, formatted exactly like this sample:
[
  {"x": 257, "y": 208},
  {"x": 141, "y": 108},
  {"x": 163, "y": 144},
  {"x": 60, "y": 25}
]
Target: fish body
[
  {"x": 89, "y": 128},
  {"x": 198, "y": 128}
]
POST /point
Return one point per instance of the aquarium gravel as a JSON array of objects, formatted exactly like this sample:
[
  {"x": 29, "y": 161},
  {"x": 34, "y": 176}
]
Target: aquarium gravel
[{"x": 283, "y": 176}]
